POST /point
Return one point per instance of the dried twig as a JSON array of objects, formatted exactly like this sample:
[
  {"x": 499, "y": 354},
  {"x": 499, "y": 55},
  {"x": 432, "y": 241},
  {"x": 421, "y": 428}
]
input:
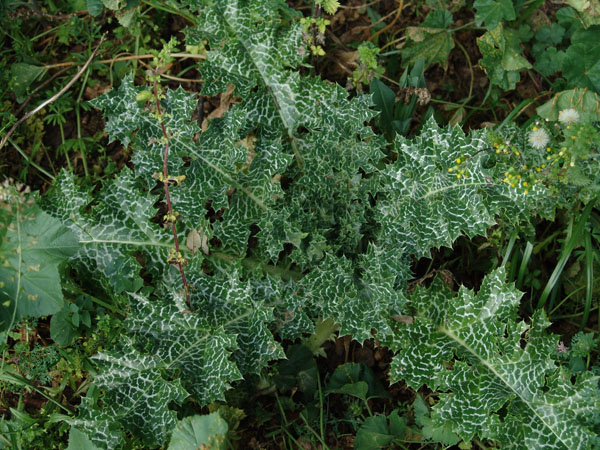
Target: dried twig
[
  {"x": 124, "y": 58},
  {"x": 391, "y": 24},
  {"x": 54, "y": 97},
  {"x": 37, "y": 89}
]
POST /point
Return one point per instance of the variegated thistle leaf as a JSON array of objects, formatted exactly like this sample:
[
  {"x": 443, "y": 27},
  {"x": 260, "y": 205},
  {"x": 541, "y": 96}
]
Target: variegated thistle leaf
[
  {"x": 254, "y": 47},
  {"x": 291, "y": 314},
  {"x": 495, "y": 376},
  {"x": 360, "y": 306},
  {"x": 227, "y": 168},
  {"x": 250, "y": 48},
  {"x": 132, "y": 122},
  {"x": 228, "y": 302},
  {"x": 169, "y": 354},
  {"x": 444, "y": 184},
  {"x": 117, "y": 227},
  {"x": 212, "y": 170}
]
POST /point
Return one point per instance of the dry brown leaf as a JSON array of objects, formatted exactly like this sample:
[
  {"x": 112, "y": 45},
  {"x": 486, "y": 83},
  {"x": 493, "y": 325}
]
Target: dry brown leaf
[
  {"x": 197, "y": 240},
  {"x": 407, "y": 320},
  {"x": 95, "y": 91},
  {"x": 248, "y": 142},
  {"x": 227, "y": 99}
]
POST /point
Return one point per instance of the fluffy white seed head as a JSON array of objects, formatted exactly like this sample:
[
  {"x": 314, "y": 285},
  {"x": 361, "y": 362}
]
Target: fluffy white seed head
[
  {"x": 568, "y": 116},
  {"x": 538, "y": 138}
]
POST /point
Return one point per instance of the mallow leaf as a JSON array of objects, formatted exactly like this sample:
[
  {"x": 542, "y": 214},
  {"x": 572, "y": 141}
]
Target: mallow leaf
[
  {"x": 431, "y": 41},
  {"x": 495, "y": 375},
  {"x": 198, "y": 432},
  {"x": 492, "y": 12},
  {"x": 581, "y": 65},
  {"x": 502, "y": 57},
  {"x": 33, "y": 245}
]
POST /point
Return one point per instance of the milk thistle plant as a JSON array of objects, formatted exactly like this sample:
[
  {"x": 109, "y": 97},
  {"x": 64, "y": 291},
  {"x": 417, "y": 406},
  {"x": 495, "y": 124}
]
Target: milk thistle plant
[{"x": 304, "y": 215}]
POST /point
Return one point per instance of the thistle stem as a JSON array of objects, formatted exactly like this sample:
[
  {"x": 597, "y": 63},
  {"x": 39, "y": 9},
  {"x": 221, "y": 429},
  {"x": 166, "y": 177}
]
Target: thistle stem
[{"x": 168, "y": 198}]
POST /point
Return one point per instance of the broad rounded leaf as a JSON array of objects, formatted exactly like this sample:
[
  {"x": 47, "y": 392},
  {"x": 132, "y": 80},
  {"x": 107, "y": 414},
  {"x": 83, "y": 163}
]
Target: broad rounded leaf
[{"x": 196, "y": 432}]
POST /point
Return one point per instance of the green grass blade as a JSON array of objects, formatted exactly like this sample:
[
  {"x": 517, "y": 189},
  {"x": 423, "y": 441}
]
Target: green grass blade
[
  {"x": 509, "y": 248},
  {"x": 589, "y": 276},
  {"x": 568, "y": 247},
  {"x": 524, "y": 263}
]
